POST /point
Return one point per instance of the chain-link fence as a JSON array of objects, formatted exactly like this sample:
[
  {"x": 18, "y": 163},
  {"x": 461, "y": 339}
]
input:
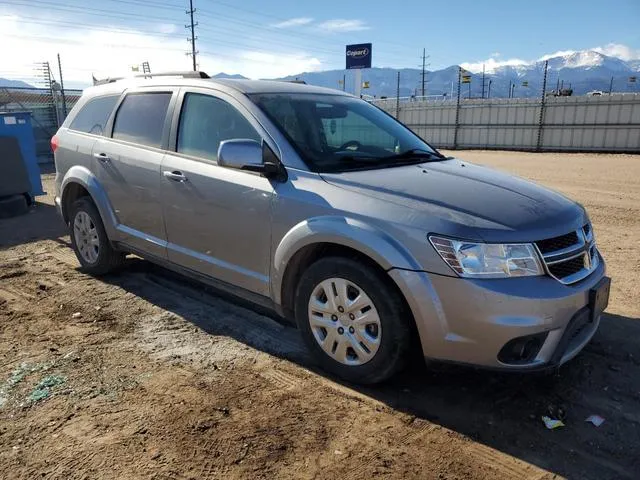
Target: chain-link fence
[{"x": 48, "y": 111}]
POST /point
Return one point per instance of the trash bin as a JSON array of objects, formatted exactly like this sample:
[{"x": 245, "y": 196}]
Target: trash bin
[{"x": 19, "y": 171}]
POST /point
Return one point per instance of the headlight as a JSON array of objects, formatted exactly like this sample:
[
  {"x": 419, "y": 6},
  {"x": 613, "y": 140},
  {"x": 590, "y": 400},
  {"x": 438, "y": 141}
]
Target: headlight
[{"x": 488, "y": 260}]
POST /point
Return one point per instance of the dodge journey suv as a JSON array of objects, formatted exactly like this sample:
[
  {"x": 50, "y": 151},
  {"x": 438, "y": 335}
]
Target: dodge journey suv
[{"x": 327, "y": 210}]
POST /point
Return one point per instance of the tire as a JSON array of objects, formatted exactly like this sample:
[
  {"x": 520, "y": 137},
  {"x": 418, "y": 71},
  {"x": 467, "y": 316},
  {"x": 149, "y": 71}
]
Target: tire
[
  {"x": 13, "y": 205},
  {"x": 373, "y": 354},
  {"x": 102, "y": 258}
]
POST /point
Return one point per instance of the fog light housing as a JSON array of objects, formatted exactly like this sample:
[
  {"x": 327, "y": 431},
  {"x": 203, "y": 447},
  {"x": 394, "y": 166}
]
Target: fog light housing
[{"x": 522, "y": 350}]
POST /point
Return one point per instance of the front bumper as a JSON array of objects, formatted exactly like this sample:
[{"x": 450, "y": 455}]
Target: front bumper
[{"x": 470, "y": 321}]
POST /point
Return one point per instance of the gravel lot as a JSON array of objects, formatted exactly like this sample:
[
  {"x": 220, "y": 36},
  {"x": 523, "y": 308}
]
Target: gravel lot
[{"x": 143, "y": 374}]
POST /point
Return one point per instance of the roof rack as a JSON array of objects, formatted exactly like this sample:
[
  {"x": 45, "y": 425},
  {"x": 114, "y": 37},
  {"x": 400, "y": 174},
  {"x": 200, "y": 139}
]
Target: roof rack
[{"x": 187, "y": 74}]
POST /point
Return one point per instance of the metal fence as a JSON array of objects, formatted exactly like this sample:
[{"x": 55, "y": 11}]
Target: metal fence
[
  {"x": 607, "y": 123},
  {"x": 47, "y": 111}
]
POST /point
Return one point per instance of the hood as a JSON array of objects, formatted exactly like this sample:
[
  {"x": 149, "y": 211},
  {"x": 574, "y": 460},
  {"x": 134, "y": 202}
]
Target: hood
[{"x": 468, "y": 200}]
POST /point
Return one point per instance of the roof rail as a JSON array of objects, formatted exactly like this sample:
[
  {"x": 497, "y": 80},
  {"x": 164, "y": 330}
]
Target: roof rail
[{"x": 187, "y": 74}]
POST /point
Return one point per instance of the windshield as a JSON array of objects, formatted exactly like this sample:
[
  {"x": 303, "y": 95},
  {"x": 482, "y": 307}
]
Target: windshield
[{"x": 336, "y": 133}]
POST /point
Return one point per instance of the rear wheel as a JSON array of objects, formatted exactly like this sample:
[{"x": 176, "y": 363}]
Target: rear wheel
[
  {"x": 89, "y": 239},
  {"x": 353, "y": 321}
]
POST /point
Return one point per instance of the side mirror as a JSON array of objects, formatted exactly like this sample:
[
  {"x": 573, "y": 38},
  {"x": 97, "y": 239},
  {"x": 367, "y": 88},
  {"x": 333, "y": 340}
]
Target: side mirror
[{"x": 245, "y": 154}]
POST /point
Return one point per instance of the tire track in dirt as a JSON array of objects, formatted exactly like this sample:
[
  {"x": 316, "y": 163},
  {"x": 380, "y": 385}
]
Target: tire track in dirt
[
  {"x": 230, "y": 334},
  {"x": 502, "y": 466}
]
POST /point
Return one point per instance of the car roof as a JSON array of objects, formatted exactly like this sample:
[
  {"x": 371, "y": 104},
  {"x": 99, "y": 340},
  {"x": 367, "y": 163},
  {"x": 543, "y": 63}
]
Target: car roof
[{"x": 241, "y": 85}]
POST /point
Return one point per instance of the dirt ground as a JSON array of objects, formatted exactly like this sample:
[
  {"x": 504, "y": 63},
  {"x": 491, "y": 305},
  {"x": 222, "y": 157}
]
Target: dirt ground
[{"x": 142, "y": 374}]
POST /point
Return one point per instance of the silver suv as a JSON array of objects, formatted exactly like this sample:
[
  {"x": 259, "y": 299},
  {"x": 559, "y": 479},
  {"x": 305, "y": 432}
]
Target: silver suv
[{"x": 326, "y": 209}]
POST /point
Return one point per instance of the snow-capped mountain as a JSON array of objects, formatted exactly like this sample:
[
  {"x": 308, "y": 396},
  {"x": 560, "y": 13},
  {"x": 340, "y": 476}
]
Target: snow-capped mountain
[
  {"x": 587, "y": 59},
  {"x": 581, "y": 71}
]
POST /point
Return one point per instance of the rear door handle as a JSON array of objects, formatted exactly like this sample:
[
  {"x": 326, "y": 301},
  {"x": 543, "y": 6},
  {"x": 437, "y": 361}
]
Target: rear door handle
[
  {"x": 175, "y": 176},
  {"x": 103, "y": 157}
]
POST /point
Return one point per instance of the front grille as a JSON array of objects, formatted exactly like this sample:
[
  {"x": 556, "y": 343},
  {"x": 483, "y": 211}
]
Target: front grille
[
  {"x": 571, "y": 257},
  {"x": 557, "y": 243},
  {"x": 570, "y": 267}
]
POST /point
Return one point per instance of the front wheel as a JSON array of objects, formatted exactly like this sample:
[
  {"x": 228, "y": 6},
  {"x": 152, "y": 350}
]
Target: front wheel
[{"x": 353, "y": 321}]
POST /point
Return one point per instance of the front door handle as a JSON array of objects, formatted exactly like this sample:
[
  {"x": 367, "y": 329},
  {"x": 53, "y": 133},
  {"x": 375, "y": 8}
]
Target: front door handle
[
  {"x": 175, "y": 176},
  {"x": 103, "y": 157}
]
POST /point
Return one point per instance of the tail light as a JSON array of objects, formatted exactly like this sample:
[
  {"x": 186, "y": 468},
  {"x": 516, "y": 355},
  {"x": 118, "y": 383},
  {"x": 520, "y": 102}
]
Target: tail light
[{"x": 54, "y": 143}]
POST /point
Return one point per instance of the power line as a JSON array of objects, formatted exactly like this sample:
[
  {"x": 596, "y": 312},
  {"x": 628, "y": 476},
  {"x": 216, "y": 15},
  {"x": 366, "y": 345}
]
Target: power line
[
  {"x": 147, "y": 19},
  {"x": 104, "y": 13},
  {"x": 84, "y": 26}
]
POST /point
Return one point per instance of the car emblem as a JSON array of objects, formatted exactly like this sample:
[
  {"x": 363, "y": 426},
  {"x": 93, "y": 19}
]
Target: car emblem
[{"x": 587, "y": 250}]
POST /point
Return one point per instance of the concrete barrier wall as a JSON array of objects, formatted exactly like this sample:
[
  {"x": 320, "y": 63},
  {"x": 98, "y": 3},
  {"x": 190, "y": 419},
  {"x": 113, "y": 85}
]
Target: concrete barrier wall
[{"x": 603, "y": 123}]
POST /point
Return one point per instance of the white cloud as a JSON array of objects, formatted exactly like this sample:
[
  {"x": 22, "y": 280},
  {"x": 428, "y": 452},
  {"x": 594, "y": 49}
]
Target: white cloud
[
  {"x": 342, "y": 25},
  {"x": 293, "y": 22},
  {"x": 279, "y": 65},
  {"x": 559, "y": 53},
  {"x": 618, "y": 50},
  {"x": 495, "y": 54},
  {"x": 167, "y": 28},
  {"x": 111, "y": 53},
  {"x": 491, "y": 64}
]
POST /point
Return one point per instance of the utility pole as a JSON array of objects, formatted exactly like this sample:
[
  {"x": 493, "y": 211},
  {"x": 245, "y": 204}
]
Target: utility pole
[
  {"x": 543, "y": 97},
  {"x": 193, "y": 38},
  {"x": 64, "y": 98},
  {"x": 509, "y": 88},
  {"x": 457, "y": 124},
  {"x": 398, "y": 98},
  {"x": 489, "y": 91},
  {"x": 483, "y": 80},
  {"x": 610, "y": 85},
  {"x": 344, "y": 82},
  {"x": 424, "y": 71}
]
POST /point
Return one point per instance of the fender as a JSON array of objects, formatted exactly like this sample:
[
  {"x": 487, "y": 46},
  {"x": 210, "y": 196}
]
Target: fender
[
  {"x": 371, "y": 241},
  {"x": 83, "y": 176}
]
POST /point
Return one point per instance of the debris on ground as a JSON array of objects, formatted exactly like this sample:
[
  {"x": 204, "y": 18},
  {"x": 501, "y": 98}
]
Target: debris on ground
[
  {"x": 552, "y": 423},
  {"x": 76, "y": 315},
  {"x": 42, "y": 390},
  {"x": 597, "y": 420}
]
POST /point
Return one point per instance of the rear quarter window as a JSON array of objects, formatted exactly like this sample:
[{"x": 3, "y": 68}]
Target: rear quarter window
[
  {"x": 93, "y": 116},
  {"x": 141, "y": 117}
]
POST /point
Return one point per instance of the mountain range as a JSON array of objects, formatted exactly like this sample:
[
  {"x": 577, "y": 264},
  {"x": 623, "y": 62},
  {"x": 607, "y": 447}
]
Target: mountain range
[
  {"x": 582, "y": 71},
  {"x": 4, "y": 82}
]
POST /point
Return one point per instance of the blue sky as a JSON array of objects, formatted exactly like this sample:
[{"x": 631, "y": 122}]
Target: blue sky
[{"x": 280, "y": 37}]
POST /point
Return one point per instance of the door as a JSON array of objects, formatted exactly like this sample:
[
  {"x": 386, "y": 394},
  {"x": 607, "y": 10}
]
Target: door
[
  {"x": 217, "y": 219},
  {"x": 128, "y": 166}
]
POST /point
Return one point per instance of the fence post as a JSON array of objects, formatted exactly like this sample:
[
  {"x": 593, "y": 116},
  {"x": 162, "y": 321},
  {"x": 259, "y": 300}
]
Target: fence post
[
  {"x": 398, "y": 98},
  {"x": 542, "y": 105},
  {"x": 457, "y": 125},
  {"x": 64, "y": 98}
]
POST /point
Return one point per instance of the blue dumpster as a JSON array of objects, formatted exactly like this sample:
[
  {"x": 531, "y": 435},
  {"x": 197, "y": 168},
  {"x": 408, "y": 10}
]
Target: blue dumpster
[{"x": 15, "y": 128}]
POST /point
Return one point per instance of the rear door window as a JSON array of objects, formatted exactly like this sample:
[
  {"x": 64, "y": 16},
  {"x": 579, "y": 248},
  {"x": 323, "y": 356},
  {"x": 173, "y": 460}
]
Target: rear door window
[
  {"x": 141, "y": 118},
  {"x": 93, "y": 117}
]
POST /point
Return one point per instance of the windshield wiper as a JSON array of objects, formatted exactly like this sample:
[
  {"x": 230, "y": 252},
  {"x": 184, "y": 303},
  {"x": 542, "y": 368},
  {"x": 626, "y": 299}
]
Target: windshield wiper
[
  {"x": 409, "y": 157},
  {"x": 415, "y": 153}
]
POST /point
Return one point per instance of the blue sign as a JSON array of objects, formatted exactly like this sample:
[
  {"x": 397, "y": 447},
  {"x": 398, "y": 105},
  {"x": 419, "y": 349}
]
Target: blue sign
[{"x": 359, "y": 56}]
